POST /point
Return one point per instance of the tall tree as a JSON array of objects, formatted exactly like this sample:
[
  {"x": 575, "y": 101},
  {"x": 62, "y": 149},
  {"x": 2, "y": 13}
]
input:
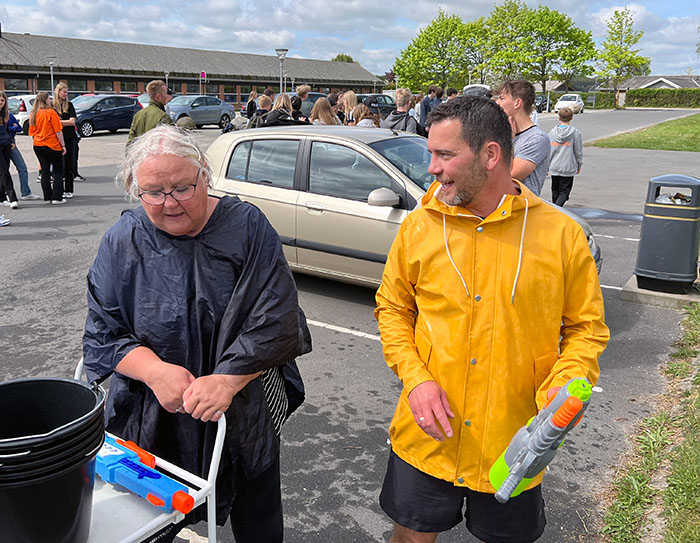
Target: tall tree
[
  {"x": 436, "y": 55},
  {"x": 342, "y": 57},
  {"x": 506, "y": 33},
  {"x": 618, "y": 59},
  {"x": 555, "y": 46},
  {"x": 475, "y": 50}
]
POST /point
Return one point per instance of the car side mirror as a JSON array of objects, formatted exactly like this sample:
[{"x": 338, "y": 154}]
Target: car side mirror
[
  {"x": 383, "y": 197},
  {"x": 195, "y": 105},
  {"x": 97, "y": 109}
]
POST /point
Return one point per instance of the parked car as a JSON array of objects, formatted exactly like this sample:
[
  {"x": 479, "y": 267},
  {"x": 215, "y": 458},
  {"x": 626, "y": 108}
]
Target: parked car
[
  {"x": 572, "y": 101},
  {"x": 104, "y": 112},
  {"x": 335, "y": 194},
  {"x": 476, "y": 89},
  {"x": 143, "y": 99},
  {"x": 542, "y": 103},
  {"x": 384, "y": 102},
  {"x": 201, "y": 109},
  {"x": 21, "y": 107}
]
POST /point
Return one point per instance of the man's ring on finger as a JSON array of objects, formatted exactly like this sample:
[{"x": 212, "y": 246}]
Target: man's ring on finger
[
  {"x": 179, "y": 410},
  {"x": 219, "y": 413},
  {"x": 421, "y": 419}
]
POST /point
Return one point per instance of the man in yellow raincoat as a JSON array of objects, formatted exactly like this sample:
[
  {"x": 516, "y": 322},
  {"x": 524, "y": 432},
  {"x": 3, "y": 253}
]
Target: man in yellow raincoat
[{"x": 480, "y": 284}]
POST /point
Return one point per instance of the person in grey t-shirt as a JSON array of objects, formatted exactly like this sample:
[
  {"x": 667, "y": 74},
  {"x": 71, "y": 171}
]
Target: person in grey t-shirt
[{"x": 530, "y": 144}]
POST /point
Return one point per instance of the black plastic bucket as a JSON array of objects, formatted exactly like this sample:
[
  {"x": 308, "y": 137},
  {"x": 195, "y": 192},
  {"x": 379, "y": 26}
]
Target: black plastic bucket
[{"x": 50, "y": 432}]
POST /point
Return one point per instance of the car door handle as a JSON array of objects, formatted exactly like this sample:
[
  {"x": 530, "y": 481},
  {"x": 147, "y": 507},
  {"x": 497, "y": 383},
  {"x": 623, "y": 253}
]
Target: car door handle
[{"x": 315, "y": 206}]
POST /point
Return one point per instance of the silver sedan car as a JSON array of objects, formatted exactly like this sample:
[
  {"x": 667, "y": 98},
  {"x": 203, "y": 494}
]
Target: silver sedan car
[
  {"x": 335, "y": 195},
  {"x": 201, "y": 109}
]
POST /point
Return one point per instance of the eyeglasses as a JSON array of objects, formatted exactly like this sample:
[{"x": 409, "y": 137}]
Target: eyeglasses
[{"x": 179, "y": 194}]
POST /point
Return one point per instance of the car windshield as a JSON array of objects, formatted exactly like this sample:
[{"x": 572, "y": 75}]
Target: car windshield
[
  {"x": 13, "y": 104},
  {"x": 182, "y": 100},
  {"x": 568, "y": 98},
  {"x": 410, "y": 155},
  {"x": 86, "y": 103}
]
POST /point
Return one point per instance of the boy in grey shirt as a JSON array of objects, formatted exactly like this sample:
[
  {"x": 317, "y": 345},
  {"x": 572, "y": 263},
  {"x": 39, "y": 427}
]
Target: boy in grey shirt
[
  {"x": 566, "y": 156},
  {"x": 530, "y": 143}
]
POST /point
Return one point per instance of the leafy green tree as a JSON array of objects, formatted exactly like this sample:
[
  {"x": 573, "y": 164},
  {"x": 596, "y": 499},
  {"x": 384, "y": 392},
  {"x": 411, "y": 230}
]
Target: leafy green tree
[
  {"x": 476, "y": 50},
  {"x": 618, "y": 59},
  {"x": 342, "y": 57},
  {"x": 555, "y": 46},
  {"x": 435, "y": 56},
  {"x": 506, "y": 31}
]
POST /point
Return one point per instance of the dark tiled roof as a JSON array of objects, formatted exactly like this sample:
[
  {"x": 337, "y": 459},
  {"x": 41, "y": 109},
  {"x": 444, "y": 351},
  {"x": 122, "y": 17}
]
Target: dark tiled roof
[
  {"x": 31, "y": 52},
  {"x": 641, "y": 81}
]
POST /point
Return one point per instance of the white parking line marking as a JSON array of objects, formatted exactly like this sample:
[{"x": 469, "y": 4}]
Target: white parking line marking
[
  {"x": 611, "y": 288},
  {"x": 615, "y": 237},
  {"x": 344, "y": 330}
]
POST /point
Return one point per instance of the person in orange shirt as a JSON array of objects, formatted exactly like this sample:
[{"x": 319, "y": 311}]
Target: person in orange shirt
[{"x": 49, "y": 147}]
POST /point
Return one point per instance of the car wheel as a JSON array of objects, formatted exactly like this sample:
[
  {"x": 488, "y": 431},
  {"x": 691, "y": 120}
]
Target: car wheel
[
  {"x": 25, "y": 128},
  {"x": 87, "y": 129},
  {"x": 225, "y": 119}
]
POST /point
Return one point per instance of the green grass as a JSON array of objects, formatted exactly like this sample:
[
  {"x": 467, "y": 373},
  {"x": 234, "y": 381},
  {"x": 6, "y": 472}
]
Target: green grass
[
  {"x": 678, "y": 135},
  {"x": 633, "y": 495}
]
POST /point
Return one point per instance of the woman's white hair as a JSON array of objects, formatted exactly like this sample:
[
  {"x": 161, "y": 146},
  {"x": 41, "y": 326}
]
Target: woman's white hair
[{"x": 161, "y": 140}]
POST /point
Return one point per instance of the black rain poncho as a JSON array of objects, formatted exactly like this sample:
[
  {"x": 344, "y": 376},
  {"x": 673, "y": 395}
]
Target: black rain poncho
[{"x": 223, "y": 301}]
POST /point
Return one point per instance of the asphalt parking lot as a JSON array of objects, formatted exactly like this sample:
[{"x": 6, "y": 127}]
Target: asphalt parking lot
[{"x": 335, "y": 446}]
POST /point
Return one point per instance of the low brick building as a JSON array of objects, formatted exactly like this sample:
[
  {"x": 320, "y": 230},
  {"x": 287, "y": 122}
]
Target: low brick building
[{"x": 92, "y": 66}]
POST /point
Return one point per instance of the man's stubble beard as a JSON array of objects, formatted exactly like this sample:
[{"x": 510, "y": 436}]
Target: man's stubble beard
[{"x": 466, "y": 195}]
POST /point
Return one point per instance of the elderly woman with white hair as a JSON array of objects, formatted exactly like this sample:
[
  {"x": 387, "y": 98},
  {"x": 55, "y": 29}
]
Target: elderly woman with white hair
[{"x": 193, "y": 310}]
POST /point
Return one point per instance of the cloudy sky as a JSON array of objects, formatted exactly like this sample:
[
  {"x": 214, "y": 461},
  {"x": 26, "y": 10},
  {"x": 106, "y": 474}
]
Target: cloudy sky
[{"x": 372, "y": 32}]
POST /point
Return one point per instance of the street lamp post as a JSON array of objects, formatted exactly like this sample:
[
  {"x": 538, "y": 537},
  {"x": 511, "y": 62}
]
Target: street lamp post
[
  {"x": 166, "y": 79},
  {"x": 281, "y": 53},
  {"x": 52, "y": 60}
]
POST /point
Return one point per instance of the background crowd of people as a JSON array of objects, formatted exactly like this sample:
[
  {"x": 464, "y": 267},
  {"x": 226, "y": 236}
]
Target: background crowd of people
[{"x": 55, "y": 144}]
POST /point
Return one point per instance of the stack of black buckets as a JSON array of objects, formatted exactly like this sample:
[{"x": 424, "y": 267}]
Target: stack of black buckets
[{"x": 50, "y": 432}]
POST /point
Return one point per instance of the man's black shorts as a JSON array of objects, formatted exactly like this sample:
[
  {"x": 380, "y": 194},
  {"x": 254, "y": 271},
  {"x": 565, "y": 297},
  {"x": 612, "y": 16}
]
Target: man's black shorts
[{"x": 424, "y": 503}]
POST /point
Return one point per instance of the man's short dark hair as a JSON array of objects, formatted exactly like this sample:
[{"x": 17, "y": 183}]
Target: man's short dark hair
[
  {"x": 482, "y": 121},
  {"x": 269, "y": 92},
  {"x": 439, "y": 92},
  {"x": 432, "y": 88},
  {"x": 519, "y": 88},
  {"x": 451, "y": 91}
]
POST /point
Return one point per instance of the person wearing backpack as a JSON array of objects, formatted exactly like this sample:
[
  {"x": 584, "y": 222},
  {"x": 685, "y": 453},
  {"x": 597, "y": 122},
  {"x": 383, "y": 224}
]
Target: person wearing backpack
[
  {"x": 258, "y": 119},
  {"x": 399, "y": 119}
]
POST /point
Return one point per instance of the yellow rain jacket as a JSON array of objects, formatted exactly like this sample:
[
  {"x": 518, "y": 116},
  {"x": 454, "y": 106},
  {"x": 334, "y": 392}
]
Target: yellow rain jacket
[{"x": 479, "y": 306}]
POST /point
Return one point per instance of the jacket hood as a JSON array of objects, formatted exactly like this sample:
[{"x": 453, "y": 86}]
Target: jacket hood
[
  {"x": 509, "y": 203},
  {"x": 562, "y": 133},
  {"x": 395, "y": 118}
]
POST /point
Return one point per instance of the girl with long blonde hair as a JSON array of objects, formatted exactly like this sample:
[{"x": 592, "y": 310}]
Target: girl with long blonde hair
[
  {"x": 66, "y": 113},
  {"x": 322, "y": 113},
  {"x": 350, "y": 101},
  {"x": 49, "y": 147}
]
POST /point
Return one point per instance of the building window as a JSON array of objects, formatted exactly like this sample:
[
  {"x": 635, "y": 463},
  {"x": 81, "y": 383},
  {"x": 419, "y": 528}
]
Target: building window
[
  {"x": 213, "y": 88},
  {"x": 15, "y": 84},
  {"x": 44, "y": 84},
  {"x": 77, "y": 85},
  {"x": 103, "y": 85},
  {"x": 129, "y": 86},
  {"x": 192, "y": 88}
]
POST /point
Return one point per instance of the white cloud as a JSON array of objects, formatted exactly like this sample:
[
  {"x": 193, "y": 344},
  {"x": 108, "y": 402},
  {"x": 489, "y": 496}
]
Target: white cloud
[{"x": 373, "y": 33}]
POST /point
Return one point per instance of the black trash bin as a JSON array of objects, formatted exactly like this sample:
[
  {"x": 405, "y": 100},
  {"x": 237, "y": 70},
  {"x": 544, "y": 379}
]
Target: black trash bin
[{"x": 667, "y": 258}]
